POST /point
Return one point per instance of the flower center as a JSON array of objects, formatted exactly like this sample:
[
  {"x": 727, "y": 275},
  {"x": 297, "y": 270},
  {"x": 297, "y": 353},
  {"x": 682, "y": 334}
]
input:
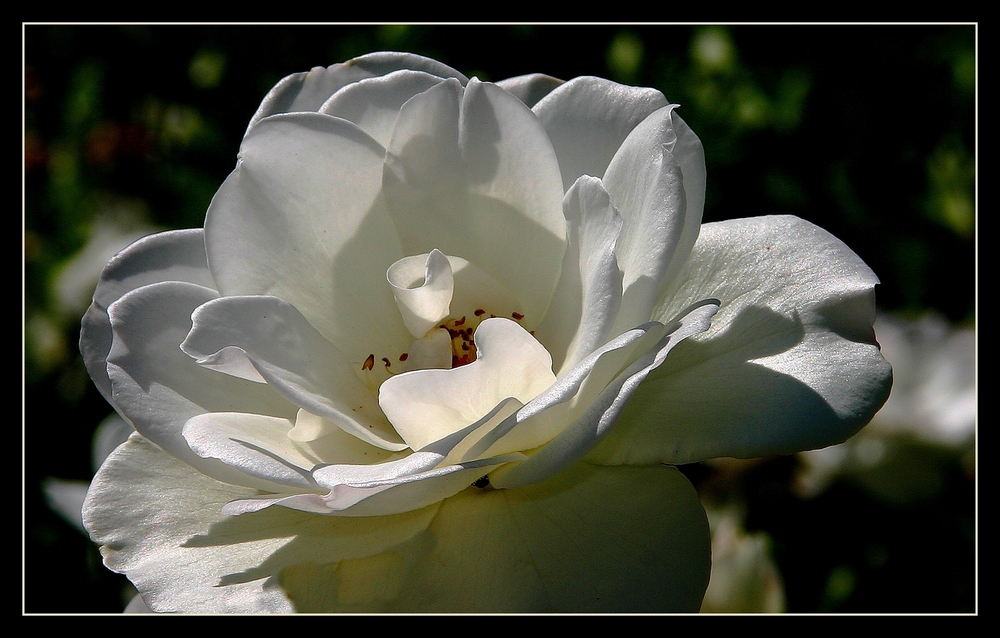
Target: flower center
[
  {"x": 461, "y": 331},
  {"x": 477, "y": 364}
]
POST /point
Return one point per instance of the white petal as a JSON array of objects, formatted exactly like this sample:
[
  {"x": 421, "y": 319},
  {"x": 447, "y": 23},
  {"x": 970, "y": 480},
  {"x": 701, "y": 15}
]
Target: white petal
[
  {"x": 373, "y": 104},
  {"x": 588, "y": 118},
  {"x": 158, "y": 388},
  {"x": 255, "y": 445},
  {"x": 390, "y": 487},
  {"x": 530, "y": 88},
  {"x": 308, "y": 91},
  {"x": 422, "y": 286},
  {"x": 790, "y": 363},
  {"x": 323, "y": 442},
  {"x": 649, "y": 189},
  {"x": 471, "y": 173},
  {"x": 624, "y": 539},
  {"x": 427, "y": 405},
  {"x": 385, "y": 62},
  {"x": 293, "y": 357},
  {"x": 301, "y": 218},
  {"x": 170, "y": 256},
  {"x": 547, "y": 415},
  {"x": 589, "y": 293},
  {"x": 587, "y": 431},
  {"x": 158, "y": 521}
]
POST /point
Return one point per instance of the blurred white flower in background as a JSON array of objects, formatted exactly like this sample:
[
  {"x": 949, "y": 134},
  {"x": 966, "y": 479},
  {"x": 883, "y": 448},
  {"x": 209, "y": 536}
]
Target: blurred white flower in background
[{"x": 745, "y": 578}]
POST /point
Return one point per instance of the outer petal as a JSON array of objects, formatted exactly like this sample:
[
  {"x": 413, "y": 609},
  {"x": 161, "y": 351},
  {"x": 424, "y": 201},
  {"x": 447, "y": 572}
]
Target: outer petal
[
  {"x": 170, "y": 256},
  {"x": 530, "y": 88},
  {"x": 471, "y": 173},
  {"x": 158, "y": 521},
  {"x": 791, "y": 361},
  {"x": 588, "y": 118},
  {"x": 625, "y": 539},
  {"x": 301, "y": 218},
  {"x": 308, "y": 91},
  {"x": 374, "y": 103}
]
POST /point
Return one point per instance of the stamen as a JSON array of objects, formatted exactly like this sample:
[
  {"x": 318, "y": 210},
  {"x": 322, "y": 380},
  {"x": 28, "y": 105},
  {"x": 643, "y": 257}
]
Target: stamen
[{"x": 369, "y": 363}]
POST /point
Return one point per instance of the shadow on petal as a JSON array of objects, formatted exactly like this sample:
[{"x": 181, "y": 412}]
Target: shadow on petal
[{"x": 766, "y": 384}]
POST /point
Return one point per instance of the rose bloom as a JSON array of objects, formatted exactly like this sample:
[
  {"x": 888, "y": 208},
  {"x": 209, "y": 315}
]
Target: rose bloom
[{"x": 437, "y": 344}]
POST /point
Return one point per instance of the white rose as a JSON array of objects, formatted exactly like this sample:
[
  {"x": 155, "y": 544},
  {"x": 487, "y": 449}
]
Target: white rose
[{"x": 417, "y": 360}]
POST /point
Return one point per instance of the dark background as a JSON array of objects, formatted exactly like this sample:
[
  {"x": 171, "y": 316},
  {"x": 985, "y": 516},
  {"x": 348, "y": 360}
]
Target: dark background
[{"x": 867, "y": 131}]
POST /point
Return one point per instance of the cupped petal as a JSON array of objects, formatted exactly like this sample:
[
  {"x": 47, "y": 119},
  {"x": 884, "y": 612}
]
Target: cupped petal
[
  {"x": 589, "y": 293},
  {"x": 470, "y": 171},
  {"x": 790, "y": 363},
  {"x": 602, "y": 411},
  {"x": 169, "y": 256},
  {"x": 273, "y": 339},
  {"x": 428, "y": 405},
  {"x": 158, "y": 388},
  {"x": 623, "y": 539},
  {"x": 308, "y": 91},
  {"x": 158, "y": 520},
  {"x": 662, "y": 211},
  {"x": 373, "y": 104},
  {"x": 301, "y": 218},
  {"x": 588, "y": 118}
]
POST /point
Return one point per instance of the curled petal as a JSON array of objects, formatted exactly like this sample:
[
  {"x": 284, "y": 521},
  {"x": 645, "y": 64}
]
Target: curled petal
[
  {"x": 273, "y": 339},
  {"x": 391, "y": 487},
  {"x": 423, "y": 286},
  {"x": 595, "y": 423},
  {"x": 158, "y": 388}
]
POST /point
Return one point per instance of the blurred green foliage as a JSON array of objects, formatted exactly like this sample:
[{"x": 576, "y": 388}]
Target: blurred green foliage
[{"x": 868, "y": 131}]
